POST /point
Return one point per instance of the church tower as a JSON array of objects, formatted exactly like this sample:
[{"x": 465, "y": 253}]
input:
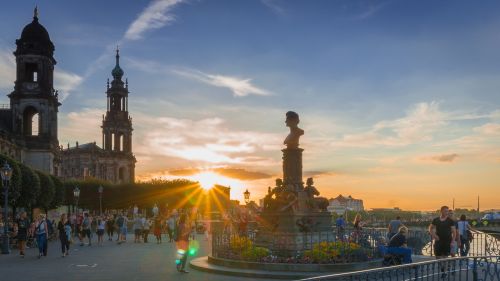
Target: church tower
[
  {"x": 34, "y": 102},
  {"x": 117, "y": 127}
]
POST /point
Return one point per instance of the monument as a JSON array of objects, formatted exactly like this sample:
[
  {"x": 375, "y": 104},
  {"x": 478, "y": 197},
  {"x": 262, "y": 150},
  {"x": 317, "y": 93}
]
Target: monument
[{"x": 290, "y": 209}]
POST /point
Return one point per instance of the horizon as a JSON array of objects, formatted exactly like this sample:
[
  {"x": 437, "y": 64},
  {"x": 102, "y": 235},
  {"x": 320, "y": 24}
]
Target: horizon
[{"x": 399, "y": 100}]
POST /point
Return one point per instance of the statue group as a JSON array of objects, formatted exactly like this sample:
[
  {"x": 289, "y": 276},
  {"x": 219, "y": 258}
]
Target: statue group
[{"x": 290, "y": 206}]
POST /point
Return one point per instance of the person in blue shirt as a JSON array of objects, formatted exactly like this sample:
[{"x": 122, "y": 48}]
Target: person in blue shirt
[
  {"x": 398, "y": 245},
  {"x": 340, "y": 224}
]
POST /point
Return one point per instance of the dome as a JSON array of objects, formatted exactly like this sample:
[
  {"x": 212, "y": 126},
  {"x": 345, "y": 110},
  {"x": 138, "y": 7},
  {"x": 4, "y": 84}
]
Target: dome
[
  {"x": 35, "y": 39},
  {"x": 117, "y": 72},
  {"x": 35, "y": 32}
]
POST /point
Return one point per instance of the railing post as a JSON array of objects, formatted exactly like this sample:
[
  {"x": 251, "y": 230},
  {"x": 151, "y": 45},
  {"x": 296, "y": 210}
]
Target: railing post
[{"x": 474, "y": 270}]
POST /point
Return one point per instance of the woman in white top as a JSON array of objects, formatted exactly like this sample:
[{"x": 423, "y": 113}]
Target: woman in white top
[
  {"x": 101, "y": 225},
  {"x": 463, "y": 231}
]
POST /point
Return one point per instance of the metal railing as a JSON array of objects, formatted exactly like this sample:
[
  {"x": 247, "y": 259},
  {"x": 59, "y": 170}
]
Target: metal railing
[
  {"x": 286, "y": 246},
  {"x": 479, "y": 268}
]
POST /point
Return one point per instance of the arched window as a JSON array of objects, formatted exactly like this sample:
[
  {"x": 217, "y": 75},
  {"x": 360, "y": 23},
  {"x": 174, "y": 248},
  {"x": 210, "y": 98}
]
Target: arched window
[
  {"x": 31, "y": 122},
  {"x": 121, "y": 143},
  {"x": 113, "y": 143}
]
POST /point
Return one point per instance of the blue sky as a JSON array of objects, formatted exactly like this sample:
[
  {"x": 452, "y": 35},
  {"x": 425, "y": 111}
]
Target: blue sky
[{"x": 390, "y": 93}]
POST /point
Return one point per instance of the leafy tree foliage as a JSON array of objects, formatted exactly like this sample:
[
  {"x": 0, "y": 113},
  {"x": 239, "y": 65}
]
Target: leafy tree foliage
[
  {"x": 47, "y": 191},
  {"x": 59, "y": 193},
  {"x": 30, "y": 187},
  {"x": 15, "y": 181}
]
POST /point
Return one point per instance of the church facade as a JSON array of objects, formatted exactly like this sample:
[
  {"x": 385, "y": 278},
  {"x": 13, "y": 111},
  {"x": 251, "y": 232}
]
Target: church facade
[
  {"x": 29, "y": 125},
  {"x": 115, "y": 161}
]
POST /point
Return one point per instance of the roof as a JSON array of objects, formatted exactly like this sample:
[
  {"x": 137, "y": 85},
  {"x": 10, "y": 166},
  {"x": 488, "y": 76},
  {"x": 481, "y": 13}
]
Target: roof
[
  {"x": 35, "y": 39},
  {"x": 85, "y": 146}
]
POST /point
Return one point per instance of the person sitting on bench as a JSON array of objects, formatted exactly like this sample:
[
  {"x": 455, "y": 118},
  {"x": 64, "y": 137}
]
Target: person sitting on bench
[{"x": 397, "y": 245}]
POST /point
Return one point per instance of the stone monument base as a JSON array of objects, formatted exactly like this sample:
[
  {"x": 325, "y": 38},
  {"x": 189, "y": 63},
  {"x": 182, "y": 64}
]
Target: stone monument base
[{"x": 293, "y": 233}]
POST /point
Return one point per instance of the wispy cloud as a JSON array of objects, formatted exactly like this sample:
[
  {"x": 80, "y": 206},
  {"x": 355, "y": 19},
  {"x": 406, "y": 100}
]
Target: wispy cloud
[
  {"x": 440, "y": 158},
  {"x": 155, "y": 15},
  {"x": 240, "y": 87},
  {"x": 274, "y": 6},
  {"x": 7, "y": 69},
  {"x": 66, "y": 82},
  {"x": 370, "y": 9}
]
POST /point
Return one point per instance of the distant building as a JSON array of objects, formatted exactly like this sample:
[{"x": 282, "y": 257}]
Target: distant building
[
  {"x": 114, "y": 162},
  {"x": 340, "y": 204}
]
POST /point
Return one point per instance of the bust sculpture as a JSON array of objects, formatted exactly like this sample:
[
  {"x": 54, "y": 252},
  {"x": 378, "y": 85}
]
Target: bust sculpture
[{"x": 292, "y": 121}]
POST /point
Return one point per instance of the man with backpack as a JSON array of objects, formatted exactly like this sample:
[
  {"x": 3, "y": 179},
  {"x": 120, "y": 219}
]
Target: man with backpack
[
  {"x": 86, "y": 224},
  {"x": 121, "y": 222}
]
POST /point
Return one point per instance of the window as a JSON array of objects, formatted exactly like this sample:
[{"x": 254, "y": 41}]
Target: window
[
  {"x": 31, "y": 72},
  {"x": 31, "y": 122}
]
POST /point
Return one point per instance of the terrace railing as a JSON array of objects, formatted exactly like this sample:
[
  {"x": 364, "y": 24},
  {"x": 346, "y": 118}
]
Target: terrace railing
[{"x": 478, "y": 268}]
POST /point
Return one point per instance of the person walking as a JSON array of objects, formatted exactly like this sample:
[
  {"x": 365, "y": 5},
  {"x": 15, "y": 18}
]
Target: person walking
[
  {"x": 64, "y": 228},
  {"x": 42, "y": 235},
  {"x": 110, "y": 227},
  {"x": 358, "y": 228},
  {"x": 22, "y": 226},
  {"x": 86, "y": 232},
  {"x": 101, "y": 225},
  {"x": 122, "y": 222},
  {"x": 464, "y": 230},
  {"x": 456, "y": 243},
  {"x": 340, "y": 225},
  {"x": 137, "y": 229},
  {"x": 443, "y": 232},
  {"x": 171, "y": 228},
  {"x": 146, "y": 226},
  {"x": 182, "y": 242},
  {"x": 157, "y": 229}
]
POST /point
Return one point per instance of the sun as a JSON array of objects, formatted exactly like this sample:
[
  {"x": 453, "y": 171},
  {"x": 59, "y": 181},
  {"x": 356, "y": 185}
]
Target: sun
[{"x": 207, "y": 180}]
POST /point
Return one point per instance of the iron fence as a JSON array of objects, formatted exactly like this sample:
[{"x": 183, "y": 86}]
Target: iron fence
[
  {"x": 479, "y": 268},
  {"x": 286, "y": 247}
]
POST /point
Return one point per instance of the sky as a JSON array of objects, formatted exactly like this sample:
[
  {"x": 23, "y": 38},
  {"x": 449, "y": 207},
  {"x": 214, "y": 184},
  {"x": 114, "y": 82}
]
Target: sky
[{"x": 399, "y": 100}]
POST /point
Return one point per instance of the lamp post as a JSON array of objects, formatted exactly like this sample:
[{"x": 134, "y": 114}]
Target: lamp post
[
  {"x": 76, "y": 194},
  {"x": 100, "y": 190},
  {"x": 246, "y": 195},
  {"x": 6, "y": 174}
]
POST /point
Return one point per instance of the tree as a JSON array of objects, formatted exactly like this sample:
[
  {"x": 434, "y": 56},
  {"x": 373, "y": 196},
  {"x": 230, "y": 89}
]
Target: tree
[
  {"x": 59, "y": 193},
  {"x": 30, "y": 187},
  {"x": 15, "y": 181},
  {"x": 47, "y": 191}
]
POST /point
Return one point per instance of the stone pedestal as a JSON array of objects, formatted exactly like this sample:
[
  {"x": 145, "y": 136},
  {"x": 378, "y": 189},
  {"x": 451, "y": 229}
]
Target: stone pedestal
[
  {"x": 293, "y": 233},
  {"x": 292, "y": 169}
]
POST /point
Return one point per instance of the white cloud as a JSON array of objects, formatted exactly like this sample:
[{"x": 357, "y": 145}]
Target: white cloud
[
  {"x": 155, "y": 15},
  {"x": 274, "y": 6},
  {"x": 7, "y": 69},
  {"x": 65, "y": 82},
  {"x": 418, "y": 125},
  {"x": 240, "y": 87}
]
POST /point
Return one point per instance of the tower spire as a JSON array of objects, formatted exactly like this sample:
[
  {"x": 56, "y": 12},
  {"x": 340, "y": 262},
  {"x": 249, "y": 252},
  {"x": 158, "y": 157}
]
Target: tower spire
[
  {"x": 117, "y": 56},
  {"x": 117, "y": 71},
  {"x": 35, "y": 13}
]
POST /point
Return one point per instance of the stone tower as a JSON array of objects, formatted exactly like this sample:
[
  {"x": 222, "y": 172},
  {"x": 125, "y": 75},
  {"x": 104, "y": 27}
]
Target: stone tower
[
  {"x": 117, "y": 126},
  {"x": 34, "y": 102}
]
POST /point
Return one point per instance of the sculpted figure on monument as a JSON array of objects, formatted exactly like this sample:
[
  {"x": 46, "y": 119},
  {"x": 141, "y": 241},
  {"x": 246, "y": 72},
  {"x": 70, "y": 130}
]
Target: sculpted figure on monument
[{"x": 292, "y": 121}]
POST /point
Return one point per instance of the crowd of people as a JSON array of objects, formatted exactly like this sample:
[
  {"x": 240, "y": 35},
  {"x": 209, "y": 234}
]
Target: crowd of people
[{"x": 177, "y": 226}]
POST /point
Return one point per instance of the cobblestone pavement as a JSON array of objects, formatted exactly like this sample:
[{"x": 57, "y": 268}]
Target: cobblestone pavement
[{"x": 128, "y": 261}]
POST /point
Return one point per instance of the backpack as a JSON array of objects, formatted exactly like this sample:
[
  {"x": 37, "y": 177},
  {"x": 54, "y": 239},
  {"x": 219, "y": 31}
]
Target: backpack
[
  {"x": 120, "y": 221},
  {"x": 50, "y": 227}
]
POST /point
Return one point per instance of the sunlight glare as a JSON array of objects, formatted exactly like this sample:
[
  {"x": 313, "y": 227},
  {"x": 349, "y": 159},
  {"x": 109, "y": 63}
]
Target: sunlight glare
[{"x": 207, "y": 180}]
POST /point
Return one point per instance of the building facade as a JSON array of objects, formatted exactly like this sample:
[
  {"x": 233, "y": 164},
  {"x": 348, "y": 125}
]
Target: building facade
[
  {"x": 115, "y": 161},
  {"x": 28, "y": 125},
  {"x": 340, "y": 204}
]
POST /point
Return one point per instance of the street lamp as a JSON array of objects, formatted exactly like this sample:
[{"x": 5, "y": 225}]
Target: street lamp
[
  {"x": 76, "y": 194},
  {"x": 246, "y": 195},
  {"x": 100, "y": 190},
  {"x": 6, "y": 174}
]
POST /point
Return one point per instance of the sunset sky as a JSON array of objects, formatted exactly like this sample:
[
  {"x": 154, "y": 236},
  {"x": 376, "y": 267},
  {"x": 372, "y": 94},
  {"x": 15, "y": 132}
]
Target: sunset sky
[{"x": 399, "y": 100}]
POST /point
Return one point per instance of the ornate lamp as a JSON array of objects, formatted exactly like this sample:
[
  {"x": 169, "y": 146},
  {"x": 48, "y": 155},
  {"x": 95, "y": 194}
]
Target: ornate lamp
[
  {"x": 6, "y": 175},
  {"x": 246, "y": 195}
]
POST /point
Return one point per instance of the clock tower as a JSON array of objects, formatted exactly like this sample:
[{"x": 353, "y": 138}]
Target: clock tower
[{"x": 34, "y": 102}]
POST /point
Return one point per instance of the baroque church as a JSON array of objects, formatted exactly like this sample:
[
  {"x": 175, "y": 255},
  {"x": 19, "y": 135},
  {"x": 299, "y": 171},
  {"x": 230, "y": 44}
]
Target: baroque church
[{"x": 28, "y": 125}]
